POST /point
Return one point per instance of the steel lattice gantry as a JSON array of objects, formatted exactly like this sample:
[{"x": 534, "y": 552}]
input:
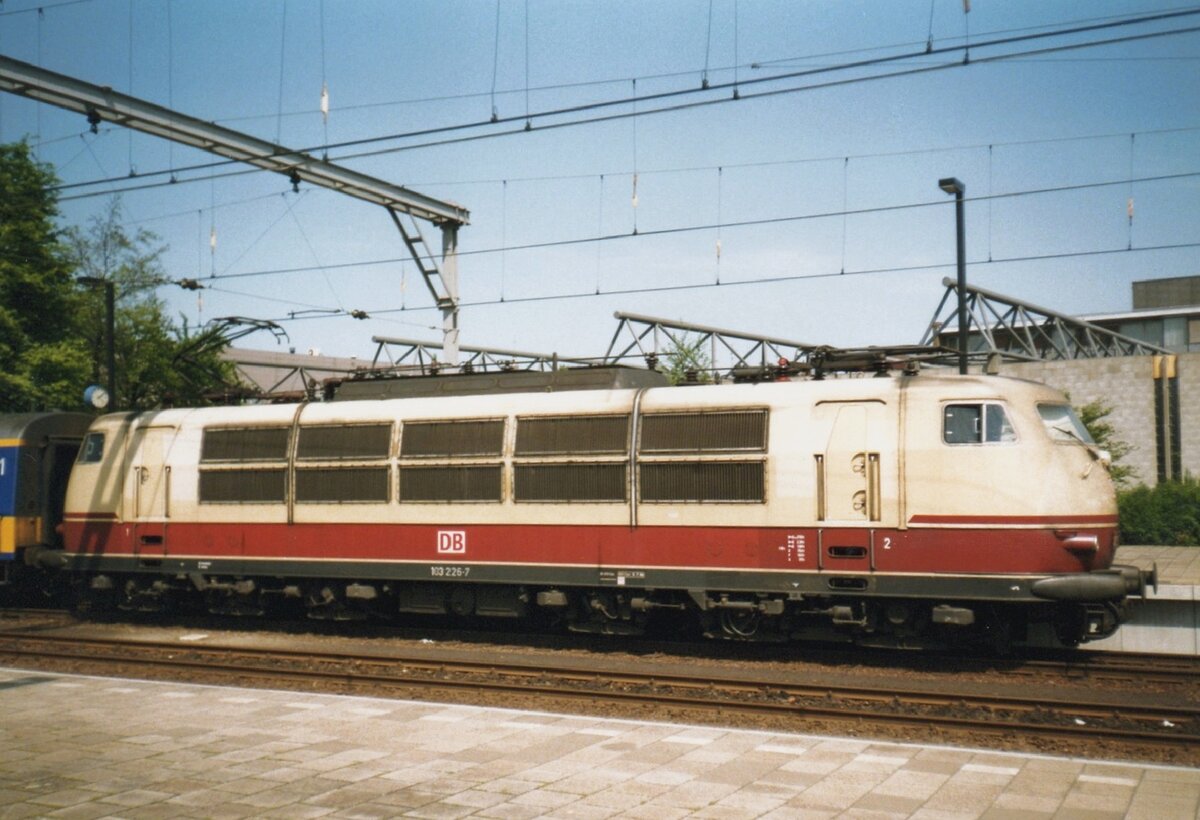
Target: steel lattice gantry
[
  {"x": 1001, "y": 325},
  {"x": 101, "y": 103},
  {"x": 644, "y": 337},
  {"x": 416, "y": 356}
]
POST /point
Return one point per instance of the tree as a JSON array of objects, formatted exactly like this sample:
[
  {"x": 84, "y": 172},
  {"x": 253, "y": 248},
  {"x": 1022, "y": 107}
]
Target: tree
[
  {"x": 44, "y": 361},
  {"x": 1093, "y": 415},
  {"x": 52, "y": 328},
  {"x": 688, "y": 361},
  {"x": 150, "y": 368}
]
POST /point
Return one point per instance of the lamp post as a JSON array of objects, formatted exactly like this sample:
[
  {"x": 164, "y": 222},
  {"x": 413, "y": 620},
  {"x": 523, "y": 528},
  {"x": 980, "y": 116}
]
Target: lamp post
[
  {"x": 952, "y": 186},
  {"x": 110, "y": 323}
]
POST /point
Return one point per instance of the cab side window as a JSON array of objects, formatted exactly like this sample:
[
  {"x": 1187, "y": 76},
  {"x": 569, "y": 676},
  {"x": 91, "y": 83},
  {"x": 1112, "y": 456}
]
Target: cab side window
[
  {"x": 976, "y": 423},
  {"x": 92, "y": 450}
]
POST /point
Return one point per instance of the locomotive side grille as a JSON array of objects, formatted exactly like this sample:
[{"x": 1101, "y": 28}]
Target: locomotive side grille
[
  {"x": 360, "y": 441},
  {"x": 243, "y": 486},
  {"x": 244, "y": 444},
  {"x": 704, "y": 432},
  {"x": 570, "y": 435},
  {"x": 571, "y": 482},
  {"x": 339, "y": 484},
  {"x": 451, "y": 483},
  {"x": 741, "y": 481},
  {"x": 433, "y": 439}
]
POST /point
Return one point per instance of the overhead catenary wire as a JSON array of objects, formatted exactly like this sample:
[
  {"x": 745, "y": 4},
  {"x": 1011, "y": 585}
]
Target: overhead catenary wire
[
  {"x": 170, "y": 90},
  {"x": 282, "y": 55},
  {"x": 324, "y": 104},
  {"x": 909, "y": 152},
  {"x": 129, "y": 131},
  {"x": 719, "y": 221},
  {"x": 559, "y": 243},
  {"x": 41, "y": 8},
  {"x": 640, "y": 99},
  {"x": 929, "y": 39},
  {"x": 707, "y": 46},
  {"x": 313, "y": 251},
  {"x": 1129, "y": 200},
  {"x": 261, "y": 236},
  {"x": 528, "y": 123},
  {"x": 495, "y": 63},
  {"x": 767, "y": 280}
]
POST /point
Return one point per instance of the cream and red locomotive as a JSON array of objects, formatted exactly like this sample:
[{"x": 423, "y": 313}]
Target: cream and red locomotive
[{"x": 905, "y": 509}]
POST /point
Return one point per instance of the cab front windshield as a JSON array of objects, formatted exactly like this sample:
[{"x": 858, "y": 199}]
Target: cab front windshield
[{"x": 1063, "y": 425}]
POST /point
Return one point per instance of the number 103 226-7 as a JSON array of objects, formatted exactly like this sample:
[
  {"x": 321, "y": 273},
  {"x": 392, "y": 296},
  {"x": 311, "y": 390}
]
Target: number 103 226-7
[{"x": 449, "y": 572}]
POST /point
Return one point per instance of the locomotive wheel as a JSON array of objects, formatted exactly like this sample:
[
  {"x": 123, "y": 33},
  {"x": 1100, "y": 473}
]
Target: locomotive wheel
[
  {"x": 462, "y": 601},
  {"x": 740, "y": 624}
]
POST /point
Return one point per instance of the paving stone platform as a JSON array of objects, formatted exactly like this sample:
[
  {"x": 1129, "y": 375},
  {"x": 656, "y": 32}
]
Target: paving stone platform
[
  {"x": 84, "y": 747},
  {"x": 1178, "y": 566},
  {"x": 1168, "y": 620}
]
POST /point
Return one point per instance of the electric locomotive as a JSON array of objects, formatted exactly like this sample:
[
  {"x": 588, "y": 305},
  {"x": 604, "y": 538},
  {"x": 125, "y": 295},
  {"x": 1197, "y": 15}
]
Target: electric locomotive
[{"x": 907, "y": 509}]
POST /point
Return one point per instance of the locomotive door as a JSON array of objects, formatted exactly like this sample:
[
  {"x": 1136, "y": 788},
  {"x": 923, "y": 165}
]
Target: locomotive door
[
  {"x": 856, "y": 479},
  {"x": 148, "y": 491}
]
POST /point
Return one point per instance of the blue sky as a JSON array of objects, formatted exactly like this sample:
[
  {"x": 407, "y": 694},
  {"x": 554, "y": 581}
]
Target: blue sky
[{"x": 1081, "y": 117}]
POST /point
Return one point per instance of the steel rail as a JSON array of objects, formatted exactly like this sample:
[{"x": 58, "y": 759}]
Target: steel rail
[
  {"x": 1062, "y": 718},
  {"x": 1142, "y": 667}
]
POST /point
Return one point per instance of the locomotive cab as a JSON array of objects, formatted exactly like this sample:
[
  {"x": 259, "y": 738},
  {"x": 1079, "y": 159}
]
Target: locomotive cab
[
  {"x": 94, "y": 495},
  {"x": 1005, "y": 473}
]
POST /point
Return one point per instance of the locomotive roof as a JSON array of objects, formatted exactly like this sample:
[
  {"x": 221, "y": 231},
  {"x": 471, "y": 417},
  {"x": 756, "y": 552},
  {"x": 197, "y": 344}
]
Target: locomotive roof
[
  {"x": 463, "y": 384},
  {"x": 714, "y": 397}
]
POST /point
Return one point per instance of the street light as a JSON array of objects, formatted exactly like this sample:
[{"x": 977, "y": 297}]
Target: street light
[
  {"x": 952, "y": 186},
  {"x": 110, "y": 331}
]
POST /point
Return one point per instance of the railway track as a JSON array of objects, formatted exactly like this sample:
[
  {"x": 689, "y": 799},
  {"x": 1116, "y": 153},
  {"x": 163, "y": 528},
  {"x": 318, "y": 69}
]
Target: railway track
[
  {"x": 715, "y": 696},
  {"x": 1132, "y": 668}
]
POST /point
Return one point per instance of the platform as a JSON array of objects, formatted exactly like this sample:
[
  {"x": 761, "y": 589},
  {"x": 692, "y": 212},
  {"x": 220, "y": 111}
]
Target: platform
[
  {"x": 1167, "y": 620},
  {"x": 85, "y": 747}
]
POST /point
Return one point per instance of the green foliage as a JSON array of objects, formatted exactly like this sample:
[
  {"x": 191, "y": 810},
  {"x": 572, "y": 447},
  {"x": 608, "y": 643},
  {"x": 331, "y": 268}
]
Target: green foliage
[
  {"x": 1093, "y": 415},
  {"x": 687, "y": 360},
  {"x": 37, "y": 346},
  {"x": 150, "y": 369},
  {"x": 53, "y": 330},
  {"x": 1167, "y": 514}
]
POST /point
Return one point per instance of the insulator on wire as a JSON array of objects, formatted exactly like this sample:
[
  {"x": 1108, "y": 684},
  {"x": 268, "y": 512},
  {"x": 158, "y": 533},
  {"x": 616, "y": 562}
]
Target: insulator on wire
[
  {"x": 635, "y": 197},
  {"x": 324, "y": 102},
  {"x": 212, "y": 239}
]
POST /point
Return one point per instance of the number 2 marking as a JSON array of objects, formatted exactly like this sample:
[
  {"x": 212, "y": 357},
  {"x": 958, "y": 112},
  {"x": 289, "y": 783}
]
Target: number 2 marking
[{"x": 887, "y": 542}]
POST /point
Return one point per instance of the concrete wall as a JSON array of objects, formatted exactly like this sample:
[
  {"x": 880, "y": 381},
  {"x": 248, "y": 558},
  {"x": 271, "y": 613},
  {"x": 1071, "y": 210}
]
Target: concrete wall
[{"x": 1127, "y": 385}]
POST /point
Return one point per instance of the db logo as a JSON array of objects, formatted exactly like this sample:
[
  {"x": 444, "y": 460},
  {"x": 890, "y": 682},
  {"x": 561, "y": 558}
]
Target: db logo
[{"x": 451, "y": 542}]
